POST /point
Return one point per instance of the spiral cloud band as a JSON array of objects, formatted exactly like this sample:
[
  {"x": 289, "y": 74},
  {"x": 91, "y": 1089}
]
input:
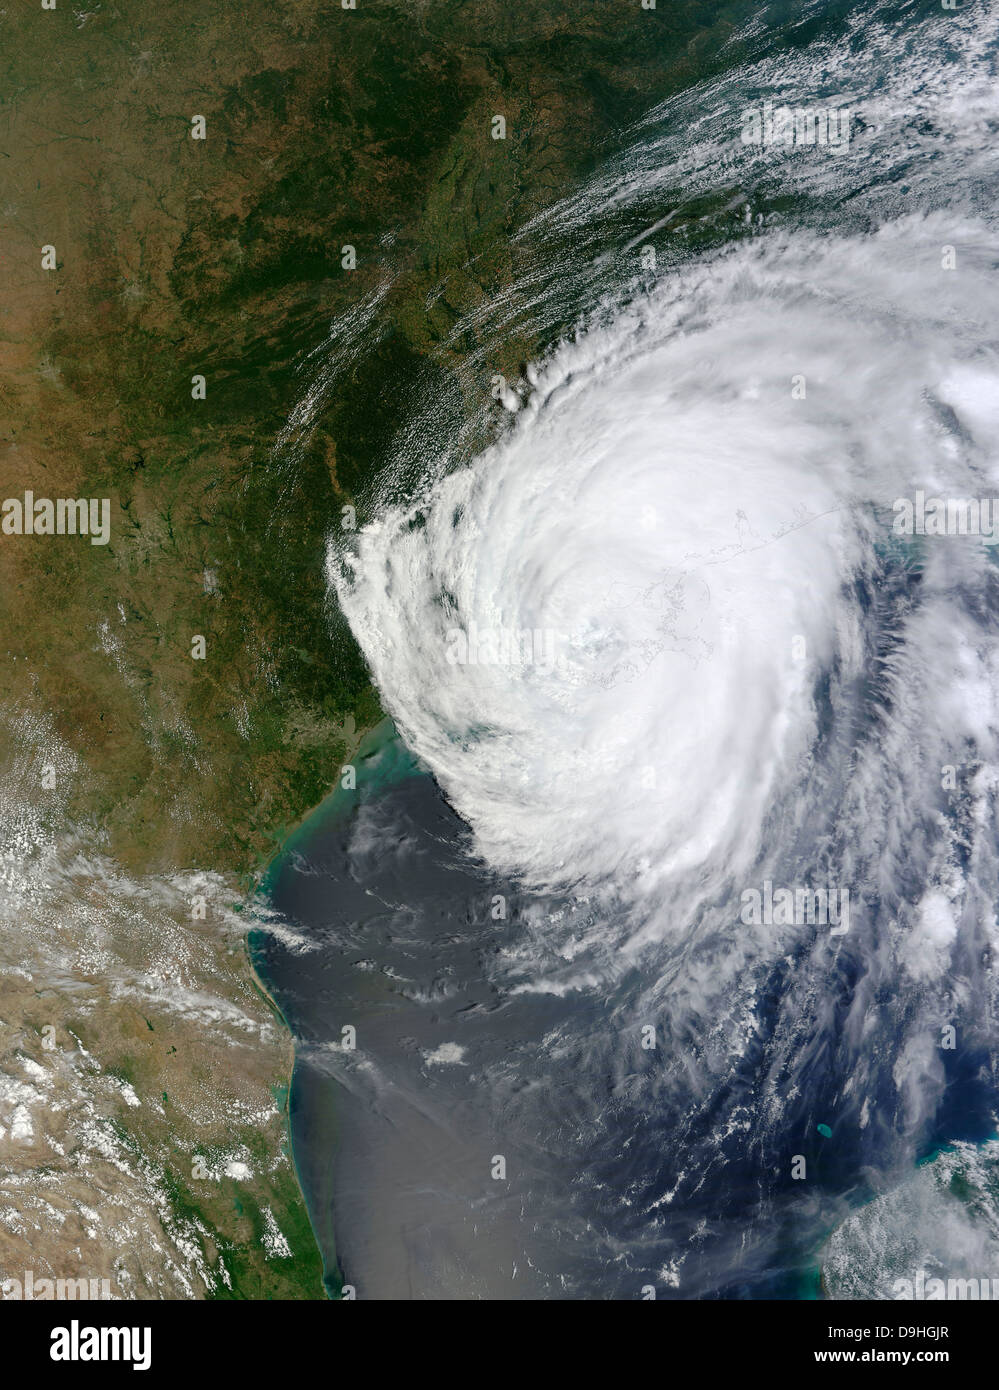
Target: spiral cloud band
[
  {"x": 703, "y": 647},
  {"x": 686, "y": 508}
]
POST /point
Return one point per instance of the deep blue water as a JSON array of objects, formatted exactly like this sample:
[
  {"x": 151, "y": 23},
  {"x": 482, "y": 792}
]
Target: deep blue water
[{"x": 395, "y": 1151}]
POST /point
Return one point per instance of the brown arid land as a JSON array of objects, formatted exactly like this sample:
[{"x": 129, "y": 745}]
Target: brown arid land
[{"x": 143, "y": 1073}]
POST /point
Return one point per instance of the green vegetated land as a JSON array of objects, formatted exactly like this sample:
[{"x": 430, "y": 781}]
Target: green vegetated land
[{"x": 325, "y": 127}]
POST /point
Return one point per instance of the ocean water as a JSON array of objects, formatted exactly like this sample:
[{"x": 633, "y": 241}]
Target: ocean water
[
  {"x": 390, "y": 930},
  {"x": 458, "y": 1059},
  {"x": 656, "y": 648}
]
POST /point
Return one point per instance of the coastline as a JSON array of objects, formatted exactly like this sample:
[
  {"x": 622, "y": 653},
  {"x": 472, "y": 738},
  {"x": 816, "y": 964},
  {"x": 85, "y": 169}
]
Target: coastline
[{"x": 378, "y": 736}]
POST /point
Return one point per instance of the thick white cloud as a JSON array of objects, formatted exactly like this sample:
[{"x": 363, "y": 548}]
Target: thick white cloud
[{"x": 686, "y": 534}]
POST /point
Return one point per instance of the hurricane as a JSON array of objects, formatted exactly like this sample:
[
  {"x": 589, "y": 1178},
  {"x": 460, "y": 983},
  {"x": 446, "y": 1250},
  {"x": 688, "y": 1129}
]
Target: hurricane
[{"x": 694, "y": 629}]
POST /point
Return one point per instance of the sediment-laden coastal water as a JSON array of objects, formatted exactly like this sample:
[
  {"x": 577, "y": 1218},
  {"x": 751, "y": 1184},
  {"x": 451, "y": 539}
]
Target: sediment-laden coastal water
[{"x": 668, "y": 656}]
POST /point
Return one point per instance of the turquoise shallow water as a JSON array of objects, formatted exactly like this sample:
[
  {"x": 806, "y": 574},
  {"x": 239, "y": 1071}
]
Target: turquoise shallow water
[
  {"x": 938, "y": 1223},
  {"x": 381, "y": 760},
  {"x": 393, "y": 1145},
  {"x": 447, "y": 1019}
]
